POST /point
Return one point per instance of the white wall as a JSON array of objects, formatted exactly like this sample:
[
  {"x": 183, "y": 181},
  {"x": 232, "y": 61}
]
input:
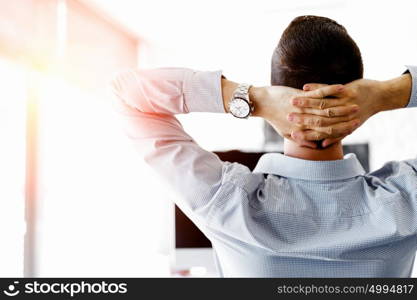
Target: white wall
[{"x": 386, "y": 36}]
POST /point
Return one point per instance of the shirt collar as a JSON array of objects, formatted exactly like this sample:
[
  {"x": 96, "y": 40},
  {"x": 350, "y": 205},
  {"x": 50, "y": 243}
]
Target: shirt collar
[{"x": 279, "y": 164}]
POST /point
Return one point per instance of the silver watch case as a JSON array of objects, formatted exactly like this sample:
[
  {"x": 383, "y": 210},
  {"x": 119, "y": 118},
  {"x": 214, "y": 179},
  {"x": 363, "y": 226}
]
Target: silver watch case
[
  {"x": 240, "y": 108},
  {"x": 240, "y": 105}
]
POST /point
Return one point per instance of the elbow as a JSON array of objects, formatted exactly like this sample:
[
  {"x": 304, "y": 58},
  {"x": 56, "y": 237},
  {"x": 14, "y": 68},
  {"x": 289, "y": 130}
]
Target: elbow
[{"x": 125, "y": 87}]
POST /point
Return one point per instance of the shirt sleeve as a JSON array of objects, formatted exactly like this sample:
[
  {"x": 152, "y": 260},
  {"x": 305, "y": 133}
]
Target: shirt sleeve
[
  {"x": 413, "y": 98},
  {"x": 147, "y": 101}
]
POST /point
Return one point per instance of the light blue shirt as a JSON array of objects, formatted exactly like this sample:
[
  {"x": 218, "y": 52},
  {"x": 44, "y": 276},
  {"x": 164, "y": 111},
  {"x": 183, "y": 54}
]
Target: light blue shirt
[{"x": 287, "y": 218}]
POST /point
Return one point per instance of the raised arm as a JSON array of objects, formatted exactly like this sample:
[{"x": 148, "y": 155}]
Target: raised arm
[{"x": 148, "y": 100}]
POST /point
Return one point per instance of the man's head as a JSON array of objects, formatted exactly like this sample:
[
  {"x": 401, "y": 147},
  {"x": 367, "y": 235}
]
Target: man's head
[{"x": 315, "y": 49}]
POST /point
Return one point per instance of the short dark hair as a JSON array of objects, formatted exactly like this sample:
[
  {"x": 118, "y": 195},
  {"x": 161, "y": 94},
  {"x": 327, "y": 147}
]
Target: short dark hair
[{"x": 315, "y": 49}]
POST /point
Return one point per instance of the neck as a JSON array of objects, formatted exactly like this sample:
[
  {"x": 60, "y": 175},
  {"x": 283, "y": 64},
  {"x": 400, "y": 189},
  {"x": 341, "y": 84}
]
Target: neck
[{"x": 333, "y": 152}]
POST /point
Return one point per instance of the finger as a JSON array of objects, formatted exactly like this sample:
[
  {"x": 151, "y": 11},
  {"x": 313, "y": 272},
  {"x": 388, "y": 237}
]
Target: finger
[
  {"x": 313, "y": 86},
  {"x": 338, "y": 111},
  {"x": 330, "y": 141},
  {"x": 307, "y": 144},
  {"x": 297, "y": 138},
  {"x": 317, "y": 103},
  {"x": 338, "y": 130},
  {"x": 326, "y": 91},
  {"x": 308, "y": 135},
  {"x": 333, "y": 112},
  {"x": 303, "y": 143},
  {"x": 307, "y": 102},
  {"x": 312, "y": 121}
]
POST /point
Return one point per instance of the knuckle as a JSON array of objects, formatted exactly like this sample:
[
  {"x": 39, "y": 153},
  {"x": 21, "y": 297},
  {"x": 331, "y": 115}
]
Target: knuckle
[
  {"x": 330, "y": 112},
  {"x": 318, "y": 122},
  {"x": 330, "y": 131},
  {"x": 299, "y": 119},
  {"x": 353, "y": 93},
  {"x": 310, "y": 122}
]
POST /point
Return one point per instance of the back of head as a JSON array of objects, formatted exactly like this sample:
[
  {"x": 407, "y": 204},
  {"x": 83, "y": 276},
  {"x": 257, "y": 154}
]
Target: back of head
[{"x": 315, "y": 50}]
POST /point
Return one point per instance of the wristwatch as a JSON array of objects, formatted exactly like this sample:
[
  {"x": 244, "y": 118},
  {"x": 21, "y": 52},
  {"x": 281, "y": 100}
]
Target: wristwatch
[{"x": 240, "y": 106}]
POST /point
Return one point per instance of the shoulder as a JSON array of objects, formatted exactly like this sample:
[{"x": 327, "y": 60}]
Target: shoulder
[
  {"x": 395, "y": 169},
  {"x": 396, "y": 176},
  {"x": 241, "y": 176}
]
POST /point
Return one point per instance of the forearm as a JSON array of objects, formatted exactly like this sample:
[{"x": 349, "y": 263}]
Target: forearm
[
  {"x": 170, "y": 90},
  {"x": 396, "y": 93}
]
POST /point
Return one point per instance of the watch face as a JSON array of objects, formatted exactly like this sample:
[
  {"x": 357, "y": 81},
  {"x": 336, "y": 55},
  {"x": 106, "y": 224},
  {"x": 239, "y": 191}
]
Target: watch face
[{"x": 239, "y": 108}]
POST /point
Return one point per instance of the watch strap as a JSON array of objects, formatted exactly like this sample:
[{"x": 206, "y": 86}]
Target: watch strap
[{"x": 242, "y": 91}]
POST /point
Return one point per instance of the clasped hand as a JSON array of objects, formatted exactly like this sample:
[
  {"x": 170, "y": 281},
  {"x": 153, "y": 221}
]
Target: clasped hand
[{"x": 326, "y": 113}]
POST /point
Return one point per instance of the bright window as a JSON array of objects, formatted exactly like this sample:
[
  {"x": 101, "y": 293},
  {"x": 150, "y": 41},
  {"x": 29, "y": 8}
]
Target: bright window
[
  {"x": 100, "y": 212},
  {"x": 12, "y": 167}
]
